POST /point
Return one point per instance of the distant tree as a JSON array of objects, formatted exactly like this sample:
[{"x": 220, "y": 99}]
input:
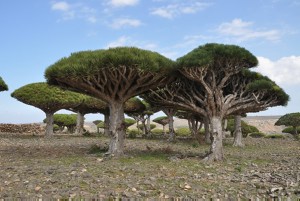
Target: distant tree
[
  {"x": 129, "y": 122},
  {"x": 96, "y": 122},
  {"x": 3, "y": 86},
  {"x": 49, "y": 99},
  {"x": 290, "y": 119},
  {"x": 114, "y": 76},
  {"x": 89, "y": 105},
  {"x": 195, "y": 123},
  {"x": 65, "y": 120},
  {"x": 163, "y": 120}
]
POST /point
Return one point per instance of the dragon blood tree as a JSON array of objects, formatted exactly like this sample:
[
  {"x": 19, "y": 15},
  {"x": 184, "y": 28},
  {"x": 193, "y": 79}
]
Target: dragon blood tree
[
  {"x": 216, "y": 83},
  {"x": 49, "y": 99},
  {"x": 113, "y": 75},
  {"x": 89, "y": 105},
  {"x": 3, "y": 86}
]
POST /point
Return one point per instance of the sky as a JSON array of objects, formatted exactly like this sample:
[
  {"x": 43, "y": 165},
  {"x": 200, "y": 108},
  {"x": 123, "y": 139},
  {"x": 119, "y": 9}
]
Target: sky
[{"x": 35, "y": 34}]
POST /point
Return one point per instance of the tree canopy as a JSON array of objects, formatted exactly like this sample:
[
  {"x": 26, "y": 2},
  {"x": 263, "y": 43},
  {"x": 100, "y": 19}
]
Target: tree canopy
[
  {"x": 47, "y": 97},
  {"x": 290, "y": 119},
  {"x": 3, "y": 86}
]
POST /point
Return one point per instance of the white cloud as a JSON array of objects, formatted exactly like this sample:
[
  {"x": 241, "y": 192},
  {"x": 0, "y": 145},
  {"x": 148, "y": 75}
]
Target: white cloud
[
  {"x": 75, "y": 11},
  {"x": 243, "y": 31},
  {"x": 125, "y": 22},
  {"x": 62, "y": 6},
  {"x": 120, "y": 3},
  {"x": 172, "y": 10},
  {"x": 128, "y": 41},
  {"x": 285, "y": 71}
]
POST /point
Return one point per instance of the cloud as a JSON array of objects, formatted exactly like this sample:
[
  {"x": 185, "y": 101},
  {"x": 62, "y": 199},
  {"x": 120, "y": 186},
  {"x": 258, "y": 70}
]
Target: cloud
[
  {"x": 61, "y": 6},
  {"x": 75, "y": 11},
  {"x": 128, "y": 41},
  {"x": 173, "y": 10},
  {"x": 243, "y": 31},
  {"x": 121, "y": 3},
  {"x": 125, "y": 22},
  {"x": 285, "y": 71}
]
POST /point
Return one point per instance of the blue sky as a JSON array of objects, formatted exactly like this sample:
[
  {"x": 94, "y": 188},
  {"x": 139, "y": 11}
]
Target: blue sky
[{"x": 35, "y": 34}]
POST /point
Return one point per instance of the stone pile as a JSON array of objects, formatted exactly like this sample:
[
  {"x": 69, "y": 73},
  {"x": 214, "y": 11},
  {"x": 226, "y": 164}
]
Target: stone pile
[{"x": 22, "y": 128}]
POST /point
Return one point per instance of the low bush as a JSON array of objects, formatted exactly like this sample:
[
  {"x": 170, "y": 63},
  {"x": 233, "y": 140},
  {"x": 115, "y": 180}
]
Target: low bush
[
  {"x": 132, "y": 133},
  {"x": 246, "y": 128},
  {"x": 183, "y": 132},
  {"x": 275, "y": 136},
  {"x": 257, "y": 135},
  {"x": 157, "y": 131}
]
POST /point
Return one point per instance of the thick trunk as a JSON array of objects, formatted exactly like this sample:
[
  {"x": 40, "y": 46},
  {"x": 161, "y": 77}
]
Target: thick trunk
[
  {"x": 224, "y": 128},
  {"x": 79, "y": 123},
  {"x": 171, "y": 128},
  {"x": 137, "y": 125},
  {"x": 207, "y": 131},
  {"x": 164, "y": 130},
  {"x": 49, "y": 125},
  {"x": 106, "y": 124},
  {"x": 116, "y": 129},
  {"x": 216, "y": 148},
  {"x": 238, "y": 131}
]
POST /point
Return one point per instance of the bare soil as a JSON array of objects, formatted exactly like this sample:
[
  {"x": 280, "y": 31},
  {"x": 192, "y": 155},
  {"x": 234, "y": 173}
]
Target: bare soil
[{"x": 64, "y": 167}]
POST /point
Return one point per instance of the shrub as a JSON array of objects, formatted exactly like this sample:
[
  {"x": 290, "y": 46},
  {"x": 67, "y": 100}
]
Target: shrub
[
  {"x": 257, "y": 135},
  {"x": 157, "y": 131},
  {"x": 152, "y": 126},
  {"x": 246, "y": 128},
  {"x": 183, "y": 131},
  {"x": 290, "y": 130},
  {"x": 275, "y": 136},
  {"x": 132, "y": 133}
]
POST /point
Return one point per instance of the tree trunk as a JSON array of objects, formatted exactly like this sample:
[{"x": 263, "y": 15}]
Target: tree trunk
[
  {"x": 164, "y": 130},
  {"x": 171, "y": 128},
  {"x": 106, "y": 124},
  {"x": 148, "y": 129},
  {"x": 116, "y": 129},
  {"x": 216, "y": 148},
  {"x": 238, "y": 131},
  {"x": 79, "y": 123},
  {"x": 49, "y": 125},
  {"x": 224, "y": 128},
  {"x": 207, "y": 131}
]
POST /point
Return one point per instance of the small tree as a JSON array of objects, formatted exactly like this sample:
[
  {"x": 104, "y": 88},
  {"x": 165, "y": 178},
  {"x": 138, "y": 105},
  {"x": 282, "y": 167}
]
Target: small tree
[
  {"x": 65, "y": 120},
  {"x": 114, "y": 76},
  {"x": 163, "y": 120},
  {"x": 129, "y": 122},
  {"x": 3, "y": 86},
  {"x": 49, "y": 99},
  {"x": 290, "y": 119}
]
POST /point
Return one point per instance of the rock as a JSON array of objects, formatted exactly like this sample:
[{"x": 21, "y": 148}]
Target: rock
[
  {"x": 133, "y": 189},
  {"x": 38, "y": 188}
]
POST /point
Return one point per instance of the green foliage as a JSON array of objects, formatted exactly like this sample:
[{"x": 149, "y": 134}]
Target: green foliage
[
  {"x": 246, "y": 128},
  {"x": 101, "y": 125},
  {"x": 291, "y": 130},
  {"x": 257, "y": 135},
  {"x": 55, "y": 127},
  {"x": 3, "y": 86},
  {"x": 68, "y": 120},
  {"x": 132, "y": 133},
  {"x": 152, "y": 126},
  {"x": 291, "y": 119},
  {"x": 46, "y": 97},
  {"x": 163, "y": 120},
  {"x": 211, "y": 53},
  {"x": 129, "y": 122},
  {"x": 183, "y": 132},
  {"x": 134, "y": 105},
  {"x": 97, "y": 149},
  {"x": 157, "y": 131},
  {"x": 87, "y": 63},
  {"x": 91, "y": 105},
  {"x": 96, "y": 122},
  {"x": 275, "y": 136}
]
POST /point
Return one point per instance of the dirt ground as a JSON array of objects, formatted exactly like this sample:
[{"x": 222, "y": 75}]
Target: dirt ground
[{"x": 64, "y": 167}]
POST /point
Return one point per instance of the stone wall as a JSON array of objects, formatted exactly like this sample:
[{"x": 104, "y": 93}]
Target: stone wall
[{"x": 22, "y": 128}]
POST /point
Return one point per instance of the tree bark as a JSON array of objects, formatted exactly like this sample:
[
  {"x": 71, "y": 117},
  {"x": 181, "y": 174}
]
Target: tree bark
[
  {"x": 79, "y": 123},
  {"x": 207, "y": 131},
  {"x": 148, "y": 129},
  {"x": 195, "y": 126},
  {"x": 116, "y": 129},
  {"x": 171, "y": 128},
  {"x": 106, "y": 124},
  {"x": 216, "y": 148},
  {"x": 238, "y": 131},
  {"x": 49, "y": 125}
]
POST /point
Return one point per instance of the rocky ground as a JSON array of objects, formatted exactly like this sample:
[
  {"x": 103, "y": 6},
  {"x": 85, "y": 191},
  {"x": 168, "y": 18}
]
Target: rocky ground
[{"x": 73, "y": 167}]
